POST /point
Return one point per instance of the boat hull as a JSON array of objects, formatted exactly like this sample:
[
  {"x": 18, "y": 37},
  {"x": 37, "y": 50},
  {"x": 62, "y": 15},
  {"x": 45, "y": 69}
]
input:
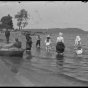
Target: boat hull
[{"x": 11, "y": 53}]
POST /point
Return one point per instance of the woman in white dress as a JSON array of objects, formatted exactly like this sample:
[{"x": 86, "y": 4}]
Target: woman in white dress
[
  {"x": 77, "y": 45},
  {"x": 48, "y": 43}
]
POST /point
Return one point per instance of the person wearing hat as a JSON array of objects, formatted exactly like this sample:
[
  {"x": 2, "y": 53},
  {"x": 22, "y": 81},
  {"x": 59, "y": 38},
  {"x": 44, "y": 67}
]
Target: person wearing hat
[
  {"x": 60, "y": 43},
  {"x": 48, "y": 43},
  {"x": 77, "y": 45},
  {"x": 48, "y": 36},
  {"x": 28, "y": 42}
]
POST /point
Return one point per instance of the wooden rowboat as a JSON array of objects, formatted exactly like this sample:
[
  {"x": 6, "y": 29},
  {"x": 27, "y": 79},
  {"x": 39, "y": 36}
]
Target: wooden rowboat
[{"x": 11, "y": 52}]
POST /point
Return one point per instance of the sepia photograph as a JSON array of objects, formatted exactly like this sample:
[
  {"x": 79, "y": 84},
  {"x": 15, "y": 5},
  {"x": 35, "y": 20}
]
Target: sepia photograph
[{"x": 43, "y": 44}]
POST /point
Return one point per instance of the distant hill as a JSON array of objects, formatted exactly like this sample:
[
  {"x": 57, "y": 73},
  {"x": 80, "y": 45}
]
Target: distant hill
[
  {"x": 67, "y": 30},
  {"x": 57, "y": 30}
]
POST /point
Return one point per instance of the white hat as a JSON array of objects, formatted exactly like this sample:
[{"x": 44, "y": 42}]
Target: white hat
[
  {"x": 48, "y": 35},
  {"x": 60, "y": 34},
  {"x": 78, "y": 38}
]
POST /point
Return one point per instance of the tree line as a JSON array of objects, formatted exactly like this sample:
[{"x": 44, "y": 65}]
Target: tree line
[{"x": 22, "y": 17}]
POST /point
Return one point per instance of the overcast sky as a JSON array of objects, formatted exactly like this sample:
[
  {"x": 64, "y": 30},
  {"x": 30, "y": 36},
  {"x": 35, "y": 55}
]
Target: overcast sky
[{"x": 44, "y": 14}]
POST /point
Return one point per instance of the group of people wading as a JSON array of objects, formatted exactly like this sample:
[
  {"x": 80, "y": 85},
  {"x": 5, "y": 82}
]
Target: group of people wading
[{"x": 60, "y": 46}]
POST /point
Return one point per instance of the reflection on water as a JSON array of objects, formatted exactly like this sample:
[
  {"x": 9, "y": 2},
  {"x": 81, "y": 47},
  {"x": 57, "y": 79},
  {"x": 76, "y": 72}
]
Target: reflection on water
[
  {"x": 59, "y": 57},
  {"x": 29, "y": 55},
  {"x": 1, "y": 40},
  {"x": 38, "y": 49},
  {"x": 59, "y": 63},
  {"x": 60, "y": 60},
  {"x": 13, "y": 63},
  {"x": 48, "y": 54},
  {"x": 14, "y": 69}
]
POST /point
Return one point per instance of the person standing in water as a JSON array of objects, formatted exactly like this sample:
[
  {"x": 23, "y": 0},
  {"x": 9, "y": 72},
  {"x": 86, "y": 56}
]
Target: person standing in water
[
  {"x": 60, "y": 43},
  {"x": 77, "y": 44},
  {"x": 28, "y": 42},
  {"x": 48, "y": 43},
  {"x": 7, "y": 35},
  {"x": 60, "y": 38},
  {"x": 38, "y": 41}
]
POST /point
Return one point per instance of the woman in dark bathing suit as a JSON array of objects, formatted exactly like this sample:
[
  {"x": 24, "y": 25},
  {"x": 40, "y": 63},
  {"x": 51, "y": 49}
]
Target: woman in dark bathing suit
[
  {"x": 60, "y": 47},
  {"x": 28, "y": 42}
]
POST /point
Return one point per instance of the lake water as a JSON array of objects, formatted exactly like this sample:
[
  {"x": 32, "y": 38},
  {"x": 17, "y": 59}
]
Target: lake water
[{"x": 69, "y": 64}]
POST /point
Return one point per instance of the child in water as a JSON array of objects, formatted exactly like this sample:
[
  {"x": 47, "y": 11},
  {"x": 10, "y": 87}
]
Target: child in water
[
  {"x": 78, "y": 44},
  {"x": 38, "y": 41},
  {"x": 48, "y": 43}
]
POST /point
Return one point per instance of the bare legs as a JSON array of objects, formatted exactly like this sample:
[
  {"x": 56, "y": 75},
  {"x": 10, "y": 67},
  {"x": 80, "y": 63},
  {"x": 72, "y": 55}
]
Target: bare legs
[{"x": 48, "y": 48}]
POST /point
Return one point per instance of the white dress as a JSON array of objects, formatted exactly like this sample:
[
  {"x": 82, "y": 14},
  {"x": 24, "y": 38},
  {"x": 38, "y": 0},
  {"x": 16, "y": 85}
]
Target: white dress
[
  {"x": 78, "y": 51},
  {"x": 47, "y": 43}
]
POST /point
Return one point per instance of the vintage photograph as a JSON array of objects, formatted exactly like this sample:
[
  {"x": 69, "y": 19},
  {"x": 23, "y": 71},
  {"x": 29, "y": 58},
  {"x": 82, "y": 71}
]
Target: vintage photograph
[{"x": 43, "y": 43}]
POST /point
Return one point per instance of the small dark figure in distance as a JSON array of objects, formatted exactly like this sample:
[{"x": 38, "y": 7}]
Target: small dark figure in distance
[
  {"x": 7, "y": 35},
  {"x": 38, "y": 41}
]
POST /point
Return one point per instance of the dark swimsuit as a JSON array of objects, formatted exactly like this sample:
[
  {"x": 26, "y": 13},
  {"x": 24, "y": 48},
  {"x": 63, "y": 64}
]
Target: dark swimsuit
[
  {"x": 60, "y": 47},
  {"x": 38, "y": 42},
  {"x": 28, "y": 45},
  {"x": 28, "y": 42}
]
